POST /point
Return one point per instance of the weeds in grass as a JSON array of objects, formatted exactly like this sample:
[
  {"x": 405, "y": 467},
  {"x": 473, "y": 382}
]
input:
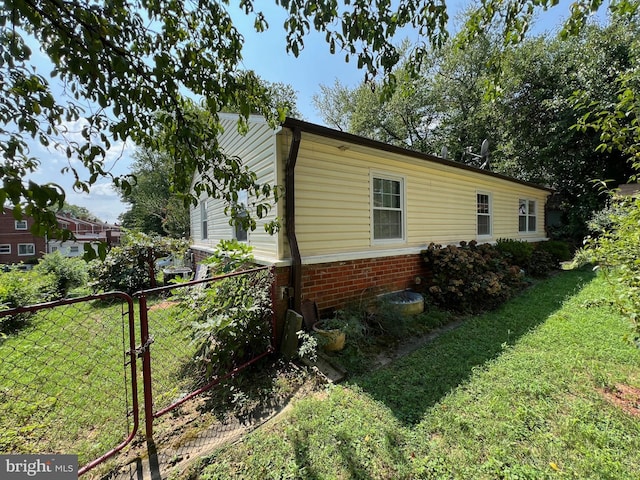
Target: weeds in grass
[
  {"x": 379, "y": 328},
  {"x": 510, "y": 394}
]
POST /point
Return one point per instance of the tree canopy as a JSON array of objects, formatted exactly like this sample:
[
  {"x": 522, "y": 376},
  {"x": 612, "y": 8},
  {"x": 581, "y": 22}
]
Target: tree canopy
[
  {"x": 153, "y": 207},
  {"x": 547, "y": 87},
  {"x": 133, "y": 68},
  {"x": 83, "y": 213}
]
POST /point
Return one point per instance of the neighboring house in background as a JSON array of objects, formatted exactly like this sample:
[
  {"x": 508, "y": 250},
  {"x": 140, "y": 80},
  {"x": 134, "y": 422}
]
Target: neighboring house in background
[
  {"x": 18, "y": 244},
  {"x": 357, "y": 213},
  {"x": 85, "y": 232}
]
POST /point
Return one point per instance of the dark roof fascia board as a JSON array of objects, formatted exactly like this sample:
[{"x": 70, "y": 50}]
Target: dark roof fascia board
[{"x": 326, "y": 132}]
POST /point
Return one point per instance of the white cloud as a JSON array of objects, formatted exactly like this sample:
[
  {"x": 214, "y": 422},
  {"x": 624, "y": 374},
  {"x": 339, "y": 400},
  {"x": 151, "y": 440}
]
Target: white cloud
[
  {"x": 103, "y": 190},
  {"x": 103, "y": 201}
]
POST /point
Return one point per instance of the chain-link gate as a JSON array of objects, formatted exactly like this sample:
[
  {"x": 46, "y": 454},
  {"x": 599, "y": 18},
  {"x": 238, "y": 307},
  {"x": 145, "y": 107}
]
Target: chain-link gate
[
  {"x": 68, "y": 368},
  {"x": 172, "y": 374},
  {"x": 68, "y": 378}
]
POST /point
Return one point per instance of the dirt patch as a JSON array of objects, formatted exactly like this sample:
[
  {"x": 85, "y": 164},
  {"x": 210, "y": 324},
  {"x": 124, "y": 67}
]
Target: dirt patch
[
  {"x": 163, "y": 305},
  {"x": 625, "y": 397}
]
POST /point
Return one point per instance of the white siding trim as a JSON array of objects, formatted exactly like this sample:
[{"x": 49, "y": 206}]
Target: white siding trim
[{"x": 344, "y": 257}]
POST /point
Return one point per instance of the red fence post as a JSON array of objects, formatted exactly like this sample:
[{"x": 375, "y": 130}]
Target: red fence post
[{"x": 146, "y": 367}]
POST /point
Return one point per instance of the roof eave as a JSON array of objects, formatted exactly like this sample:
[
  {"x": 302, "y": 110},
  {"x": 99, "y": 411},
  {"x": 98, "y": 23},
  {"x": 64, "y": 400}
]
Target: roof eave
[{"x": 333, "y": 134}]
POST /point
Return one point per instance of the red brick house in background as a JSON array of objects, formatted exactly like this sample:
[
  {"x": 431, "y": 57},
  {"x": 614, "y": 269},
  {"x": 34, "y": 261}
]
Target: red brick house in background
[
  {"x": 18, "y": 244},
  {"x": 85, "y": 231}
]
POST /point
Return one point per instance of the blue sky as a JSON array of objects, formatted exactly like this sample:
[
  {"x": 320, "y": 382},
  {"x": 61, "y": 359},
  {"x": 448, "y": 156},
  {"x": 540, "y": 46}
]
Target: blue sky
[{"x": 265, "y": 54}]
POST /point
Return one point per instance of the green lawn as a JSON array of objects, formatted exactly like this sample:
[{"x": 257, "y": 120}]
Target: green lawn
[
  {"x": 515, "y": 393},
  {"x": 64, "y": 385}
]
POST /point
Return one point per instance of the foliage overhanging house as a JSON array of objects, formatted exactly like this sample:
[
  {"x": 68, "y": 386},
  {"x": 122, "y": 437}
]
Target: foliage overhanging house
[{"x": 356, "y": 213}]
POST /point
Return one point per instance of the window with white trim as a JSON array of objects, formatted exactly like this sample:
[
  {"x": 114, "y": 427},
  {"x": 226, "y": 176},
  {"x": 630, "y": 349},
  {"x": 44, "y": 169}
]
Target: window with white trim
[
  {"x": 26, "y": 249},
  {"x": 388, "y": 207},
  {"x": 5, "y": 249},
  {"x": 21, "y": 224},
  {"x": 240, "y": 232},
  {"x": 74, "y": 249},
  {"x": 483, "y": 207},
  {"x": 527, "y": 221},
  {"x": 204, "y": 233}
]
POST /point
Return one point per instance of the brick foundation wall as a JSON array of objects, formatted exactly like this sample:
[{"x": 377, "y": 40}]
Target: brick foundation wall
[
  {"x": 333, "y": 285},
  {"x": 198, "y": 256}
]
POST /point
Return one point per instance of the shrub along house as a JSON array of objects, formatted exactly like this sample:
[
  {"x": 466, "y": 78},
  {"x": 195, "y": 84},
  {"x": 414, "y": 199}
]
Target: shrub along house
[{"x": 357, "y": 213}]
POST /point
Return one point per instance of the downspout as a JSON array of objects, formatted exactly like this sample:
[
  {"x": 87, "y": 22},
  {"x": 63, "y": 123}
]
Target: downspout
[{"x": 295, "y": 278}]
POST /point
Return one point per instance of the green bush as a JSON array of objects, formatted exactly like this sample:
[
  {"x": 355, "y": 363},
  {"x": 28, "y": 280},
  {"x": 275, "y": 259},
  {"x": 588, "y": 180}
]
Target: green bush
[
  {"x": 229, "y": 256},
  {"x": 68, "y": 273},
  {"x": 470, "y": 278},
  {"x": 516, "y": 252},
  {"x": 541, "y": 264},
  {"x": 127, "y": 267},
  {"x": 124, "y": 269},
  {"x": 231, "y": 322},
  {"x": 615, "y": 252},
  {"x": 20, "y": 289},
  {"x": 558, "y": 249}
]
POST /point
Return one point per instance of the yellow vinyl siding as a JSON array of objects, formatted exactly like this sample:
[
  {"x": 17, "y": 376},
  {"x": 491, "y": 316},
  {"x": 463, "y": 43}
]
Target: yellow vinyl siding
[
  {"x": 332, "y": 202},
  {"x": 257, "y": 150},
  {"x": 333, "y": 195},
  {"x": 333, "y": 207}
]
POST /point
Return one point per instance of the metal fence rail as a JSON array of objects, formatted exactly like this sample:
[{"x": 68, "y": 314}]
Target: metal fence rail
[
  {"x": 68, "y": 368},
  {"x": 167, "y": 318},
  {"x": 68, "y": 378}
]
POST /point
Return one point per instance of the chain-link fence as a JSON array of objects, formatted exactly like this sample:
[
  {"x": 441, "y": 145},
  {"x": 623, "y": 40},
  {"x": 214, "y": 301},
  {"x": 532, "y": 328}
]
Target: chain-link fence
[
  {"x": 68, "y": 369},
  {"x": 199, "y": 333},
  {"x": 68, "y": 378}
]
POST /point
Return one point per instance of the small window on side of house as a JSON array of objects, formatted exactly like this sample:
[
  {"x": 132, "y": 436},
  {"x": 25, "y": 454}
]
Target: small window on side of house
[
  {"x": 204, "y": 234},
  {"x": 21, "y": 224},
  {"x": 5, "y": 249},
  {"x": 527, "y": 218},
  {"x": 483, "y": 208},
  {"x": 388, "y": 208},
  {"x": 74, "y": 249}
]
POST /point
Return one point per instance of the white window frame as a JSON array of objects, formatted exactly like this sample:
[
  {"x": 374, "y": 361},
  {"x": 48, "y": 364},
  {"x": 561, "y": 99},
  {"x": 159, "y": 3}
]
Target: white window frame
[
  {"x": 5, "y": 249},
  {"x": 33, "y": 248},
  {"x": 527, "y": 214},
  {"x": 204, "y": 220},
  {"x": 373, "y": 175},
  {"x": 488, "y": 214},
  {"x": 74, "y": 249},
  {"x": 21, "y": 225}
]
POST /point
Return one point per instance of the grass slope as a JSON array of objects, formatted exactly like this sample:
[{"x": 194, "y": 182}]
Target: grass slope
[{"x": 515, "y": 393}]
